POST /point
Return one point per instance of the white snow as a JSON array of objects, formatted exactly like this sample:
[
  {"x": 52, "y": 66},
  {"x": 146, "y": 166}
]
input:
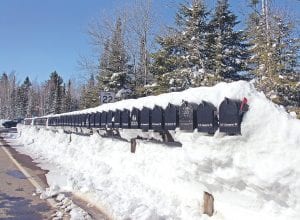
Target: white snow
[{"x": 252, "y": 176}]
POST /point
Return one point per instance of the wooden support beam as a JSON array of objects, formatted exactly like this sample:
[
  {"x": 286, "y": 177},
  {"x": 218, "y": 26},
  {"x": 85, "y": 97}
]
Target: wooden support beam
[
  {"x": 208, "y": 205},
  {"x": 133, "y": 145}
]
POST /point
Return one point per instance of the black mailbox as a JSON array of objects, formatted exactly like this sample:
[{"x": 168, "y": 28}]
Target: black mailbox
[
  {"x": 66, "y": 123},
  {"x": 87, "y": 120},
  {"x": 103, "y": 119},
  {"x": 110, "y": 119},
  {"x": 158, "y": 119},
  {"x": 135, "y": 120},
  {"x": 207, "y": 120},
  {"x": 187, "y": 116},
  {"x": 231, "y": 114},
  {"x": 97, "y": 120},
  {"x": 72, "y": 120},
  {"x": 146, "y": 119},
  {"x": 82, "y": 120},
  {"x": 171, "y": 117},
  {"x": 92, "y": 120},
  {"x": 117, "y": 119},
  {"x": 125, "y": 118},
  {"x": 76, "y": 123},
  {"x": 68, "y": 120}
]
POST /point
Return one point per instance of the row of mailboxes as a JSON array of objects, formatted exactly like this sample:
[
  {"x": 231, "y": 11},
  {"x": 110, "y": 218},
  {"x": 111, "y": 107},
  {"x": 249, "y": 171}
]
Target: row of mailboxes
[{"x": 187, "y": 117}]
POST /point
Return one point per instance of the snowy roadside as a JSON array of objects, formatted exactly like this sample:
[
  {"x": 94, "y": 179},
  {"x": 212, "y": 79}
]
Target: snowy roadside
[
  {"x": 253, "y": 176},
  {"x": 64, "y": 206}
]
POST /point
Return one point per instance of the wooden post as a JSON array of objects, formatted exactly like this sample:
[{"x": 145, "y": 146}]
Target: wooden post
[
  {"x": 208, "y": 206},
  {"x": 133, "y": 145}
]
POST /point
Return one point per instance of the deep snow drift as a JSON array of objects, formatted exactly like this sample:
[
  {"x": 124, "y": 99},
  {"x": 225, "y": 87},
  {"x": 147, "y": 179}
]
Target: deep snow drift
[{"x": 252, "y": 176}]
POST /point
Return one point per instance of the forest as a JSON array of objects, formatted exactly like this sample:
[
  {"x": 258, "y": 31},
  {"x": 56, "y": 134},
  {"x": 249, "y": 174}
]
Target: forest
[{"x": 202, "y": 48}]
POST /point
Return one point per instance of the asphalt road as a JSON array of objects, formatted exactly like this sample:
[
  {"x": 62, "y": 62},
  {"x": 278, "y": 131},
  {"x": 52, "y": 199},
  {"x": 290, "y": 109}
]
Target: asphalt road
[
  {"x": 17, "y": 194},
  {"x": 19, "y": 178}
]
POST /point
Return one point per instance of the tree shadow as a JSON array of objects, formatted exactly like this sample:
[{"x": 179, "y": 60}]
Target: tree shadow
[{"x": 19, "y": 208}]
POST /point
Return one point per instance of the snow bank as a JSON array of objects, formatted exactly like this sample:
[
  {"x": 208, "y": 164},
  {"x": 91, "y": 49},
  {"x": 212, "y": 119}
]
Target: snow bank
[{"x": 253, "y": 176}]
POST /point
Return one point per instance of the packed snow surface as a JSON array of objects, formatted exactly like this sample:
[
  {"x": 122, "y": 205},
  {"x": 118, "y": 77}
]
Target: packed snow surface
[{"x": 252, "y": 176}]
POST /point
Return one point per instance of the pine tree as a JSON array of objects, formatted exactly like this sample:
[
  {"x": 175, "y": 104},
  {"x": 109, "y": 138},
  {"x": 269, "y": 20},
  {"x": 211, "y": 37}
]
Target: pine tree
[
  {"x": 168, "y": 58},
  {"x": 54, "y": 94},
  {"x": 68, "y": 98},
  {"x": 229, "y": 50},
  {"x": 275, "y": 54},
  {"x": 192, "y": 22},
  {"x": 115, "y": 73},
  {"x": 3, "y": 95},
  {"x": 90, "y": 96},
  {"x": 23, "y": 98},
  {"x": 185, "y": 50}
]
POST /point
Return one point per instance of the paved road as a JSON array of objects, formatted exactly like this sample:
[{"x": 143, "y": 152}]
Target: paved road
[
  {"x": 17, "y": 200},
  {"x": 16, "y": 189}
]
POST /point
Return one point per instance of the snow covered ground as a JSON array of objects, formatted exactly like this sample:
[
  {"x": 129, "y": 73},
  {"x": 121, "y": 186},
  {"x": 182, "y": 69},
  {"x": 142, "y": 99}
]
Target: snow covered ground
[{"x": 252, "y": 176}]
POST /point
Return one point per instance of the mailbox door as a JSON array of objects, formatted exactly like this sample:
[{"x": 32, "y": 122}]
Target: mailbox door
[
  {"x": 135, "y": 120},
  {"x": 230, "y": 119},
  {"x": 186, "y": 117},
  {"x": 157, "y": 119},
  {"x": 171, "y": 117},
  {"x": 125, "y": 119}
]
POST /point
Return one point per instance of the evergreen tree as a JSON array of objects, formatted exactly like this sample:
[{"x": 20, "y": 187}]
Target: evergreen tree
[
  {"x": 275, "y": 54},
  {"x": 167, "y": 58},
  {"x": 23, "y": 98},
  {"x": 68, "y": 98},
  {"x": 90, "y": 96},
  {"x": 229, "y": 50},
  {"x": 54, "y": 94},
  {"x": 192, "y": 23},
  {"x": 185, "y": 50},
  {"x": 115, "y": 74}
]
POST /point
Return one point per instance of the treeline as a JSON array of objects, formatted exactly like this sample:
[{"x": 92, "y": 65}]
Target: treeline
[
  {"x": 30, "y": 99},
  {"x": 202, "y": 48}
]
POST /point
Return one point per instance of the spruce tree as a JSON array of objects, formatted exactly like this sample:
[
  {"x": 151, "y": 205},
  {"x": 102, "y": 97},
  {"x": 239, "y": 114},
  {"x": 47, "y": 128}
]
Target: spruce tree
[
  {"x": 68, "y": 98},
  {"x": 275, "y": 55},
  {"x": 55, "y": 95},
  {"x": 23, "y": 94},
  {"x": 115, "y": 74},
  {"x": 184, "y": 50},
  {"x": 90, "y": 94},
  {"x": 229, "y": 50}
]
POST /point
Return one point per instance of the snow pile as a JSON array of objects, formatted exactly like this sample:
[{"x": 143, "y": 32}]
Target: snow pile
[{"x": 253, "y": 176}]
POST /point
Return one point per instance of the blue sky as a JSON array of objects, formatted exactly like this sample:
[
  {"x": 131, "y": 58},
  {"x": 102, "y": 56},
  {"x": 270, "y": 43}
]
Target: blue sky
[{"x": 40, "y": 36}]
